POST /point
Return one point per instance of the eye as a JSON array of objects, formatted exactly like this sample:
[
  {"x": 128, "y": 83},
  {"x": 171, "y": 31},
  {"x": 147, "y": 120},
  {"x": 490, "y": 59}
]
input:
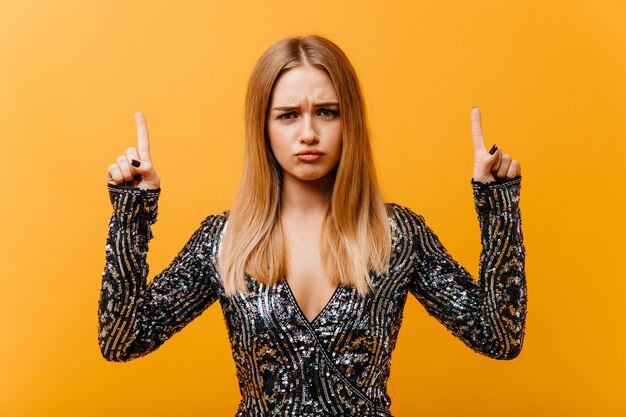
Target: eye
[
  {"x": 327, "y": 113},
  {"x": 287, "y": 116}
]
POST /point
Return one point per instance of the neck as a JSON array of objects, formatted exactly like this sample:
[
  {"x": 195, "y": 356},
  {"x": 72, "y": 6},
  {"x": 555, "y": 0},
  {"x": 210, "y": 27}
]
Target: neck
[{"x": 305, "y": 198}]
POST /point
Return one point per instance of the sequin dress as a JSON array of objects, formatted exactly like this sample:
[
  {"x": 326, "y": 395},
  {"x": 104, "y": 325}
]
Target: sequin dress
[{"x": 337, "y": 364}]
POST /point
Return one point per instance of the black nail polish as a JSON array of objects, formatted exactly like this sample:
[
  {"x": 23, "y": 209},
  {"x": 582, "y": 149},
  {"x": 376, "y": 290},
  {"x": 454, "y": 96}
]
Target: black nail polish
[
  {"x": 137, "y": 177},
  {"x": 135, "y": 163},
  {"x": 493, "y": 149}
]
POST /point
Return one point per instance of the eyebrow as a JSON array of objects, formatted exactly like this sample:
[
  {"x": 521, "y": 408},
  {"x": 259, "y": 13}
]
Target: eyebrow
[{"x": 324, "y": 104}]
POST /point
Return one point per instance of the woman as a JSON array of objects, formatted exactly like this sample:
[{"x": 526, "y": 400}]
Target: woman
[{"x": 310, "y": 266}]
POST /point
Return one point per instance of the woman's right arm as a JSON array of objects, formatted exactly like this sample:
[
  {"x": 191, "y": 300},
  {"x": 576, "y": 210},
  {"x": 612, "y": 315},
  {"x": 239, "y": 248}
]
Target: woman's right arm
[{"x": 135, "y": 318}]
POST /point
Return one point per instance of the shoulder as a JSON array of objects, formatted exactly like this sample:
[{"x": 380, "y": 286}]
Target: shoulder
[
  {"x": 215, "y": 222},
  {"x": 402, "y": 214},
  {"x": 210, "y": 234},
  {"x": 403, "y": 221}
]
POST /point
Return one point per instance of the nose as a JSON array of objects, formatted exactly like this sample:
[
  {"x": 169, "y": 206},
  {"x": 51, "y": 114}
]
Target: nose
[{"x": 308, "y": 134}]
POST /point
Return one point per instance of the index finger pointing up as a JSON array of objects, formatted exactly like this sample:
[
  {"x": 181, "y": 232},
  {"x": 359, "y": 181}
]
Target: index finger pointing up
[
  {"x": 477, "y": 130},
  {"x": 143, "y": 140}
]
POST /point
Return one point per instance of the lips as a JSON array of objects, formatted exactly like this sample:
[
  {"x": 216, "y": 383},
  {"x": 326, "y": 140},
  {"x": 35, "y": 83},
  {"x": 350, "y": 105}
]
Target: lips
[
  {"x": 309, "y": 156},
  {"x": 310, "y": 153}
]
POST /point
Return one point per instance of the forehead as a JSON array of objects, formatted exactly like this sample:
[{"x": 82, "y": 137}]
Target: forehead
[{"x": 303, "y": 83}]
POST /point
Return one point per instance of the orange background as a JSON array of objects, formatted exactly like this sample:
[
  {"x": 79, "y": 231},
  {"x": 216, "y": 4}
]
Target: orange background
[{"x": 548, "y": 75}]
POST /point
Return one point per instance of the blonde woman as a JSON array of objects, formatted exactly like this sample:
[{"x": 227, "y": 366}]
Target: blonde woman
[{"x": 311, "y": 267}]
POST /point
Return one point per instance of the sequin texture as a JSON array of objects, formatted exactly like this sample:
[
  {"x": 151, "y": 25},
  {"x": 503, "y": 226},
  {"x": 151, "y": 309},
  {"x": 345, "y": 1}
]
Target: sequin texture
[{"x": 337, "y": 364}]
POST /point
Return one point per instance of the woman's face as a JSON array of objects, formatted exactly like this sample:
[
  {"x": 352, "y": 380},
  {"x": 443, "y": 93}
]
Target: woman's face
[{"x": 304, "y": 125}]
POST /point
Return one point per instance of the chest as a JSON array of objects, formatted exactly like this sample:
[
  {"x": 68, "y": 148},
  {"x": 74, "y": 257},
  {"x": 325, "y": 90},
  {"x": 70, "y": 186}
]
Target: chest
[
  {"x": 266, "y": 323},
  {"x": 278, "y": 351},
  {"x": 306, "y": 272}
]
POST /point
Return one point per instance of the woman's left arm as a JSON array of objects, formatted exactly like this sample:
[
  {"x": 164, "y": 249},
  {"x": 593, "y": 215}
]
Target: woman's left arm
[{"x": 488, "y": 315}]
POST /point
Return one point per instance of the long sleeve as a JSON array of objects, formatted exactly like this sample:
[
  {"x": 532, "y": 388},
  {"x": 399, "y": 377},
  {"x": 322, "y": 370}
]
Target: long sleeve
[
  {"x": 488, "y": 315},
  {"x": 135, "y": 318}
]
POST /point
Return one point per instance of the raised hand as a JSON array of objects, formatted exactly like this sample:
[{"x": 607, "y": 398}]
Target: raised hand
[
  {"x": 490, "y": 165},
  {"x": 134, "y": 169}
]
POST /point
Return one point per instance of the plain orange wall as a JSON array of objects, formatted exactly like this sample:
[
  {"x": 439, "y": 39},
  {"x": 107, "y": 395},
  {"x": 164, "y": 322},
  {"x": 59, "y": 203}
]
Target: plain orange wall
[{"x": 549, "y": 76}]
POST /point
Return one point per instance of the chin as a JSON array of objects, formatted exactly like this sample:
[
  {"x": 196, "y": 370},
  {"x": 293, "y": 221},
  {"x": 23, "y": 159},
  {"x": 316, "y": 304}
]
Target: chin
[{"x": 310, "y": 176}]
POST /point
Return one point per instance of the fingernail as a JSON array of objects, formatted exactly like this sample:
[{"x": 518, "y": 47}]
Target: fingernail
[
  {"x": 137, "y": 177},
  {"x": 475, "y": 107},
  {"x": 493, "y": 149},
  {"x": 135, "y": 163},
  {"x": 129, "y": 183}
]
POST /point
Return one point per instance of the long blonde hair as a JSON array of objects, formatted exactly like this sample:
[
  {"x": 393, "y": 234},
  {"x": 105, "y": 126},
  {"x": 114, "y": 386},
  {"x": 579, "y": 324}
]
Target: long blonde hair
[{"x": 355, "y": 238}]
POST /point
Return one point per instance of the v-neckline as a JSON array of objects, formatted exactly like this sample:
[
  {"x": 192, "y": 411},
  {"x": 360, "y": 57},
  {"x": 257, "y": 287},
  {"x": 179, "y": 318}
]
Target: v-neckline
[{"x": 294, "y": 301}]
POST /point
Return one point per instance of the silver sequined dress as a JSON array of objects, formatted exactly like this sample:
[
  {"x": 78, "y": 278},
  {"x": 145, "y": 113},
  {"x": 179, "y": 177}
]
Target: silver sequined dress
[{"x": 338, "y": 364}]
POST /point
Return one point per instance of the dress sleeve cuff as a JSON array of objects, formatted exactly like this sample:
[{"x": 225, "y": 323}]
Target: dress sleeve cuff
[
  {"x": 132, "y": 204},
  {"x": 497, "y": 196}
]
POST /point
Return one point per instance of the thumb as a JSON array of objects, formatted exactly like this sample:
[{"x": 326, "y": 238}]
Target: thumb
[
  {"x": 486, "y": 163},
  {"x": 143, "y": 168},
  {"x": 493, "y": 158}
]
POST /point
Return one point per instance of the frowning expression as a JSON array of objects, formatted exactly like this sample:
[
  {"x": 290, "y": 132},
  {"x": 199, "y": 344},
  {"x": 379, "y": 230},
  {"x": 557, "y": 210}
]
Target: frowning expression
[{"x": 304, "y": 124}]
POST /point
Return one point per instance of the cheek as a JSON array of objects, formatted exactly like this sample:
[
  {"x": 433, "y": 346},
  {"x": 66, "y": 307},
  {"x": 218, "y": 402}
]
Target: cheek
[
  {"x": 274, "y": 137},
  {"x": 279, "y": 144},
  {"x": 337, "y": 141}
]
